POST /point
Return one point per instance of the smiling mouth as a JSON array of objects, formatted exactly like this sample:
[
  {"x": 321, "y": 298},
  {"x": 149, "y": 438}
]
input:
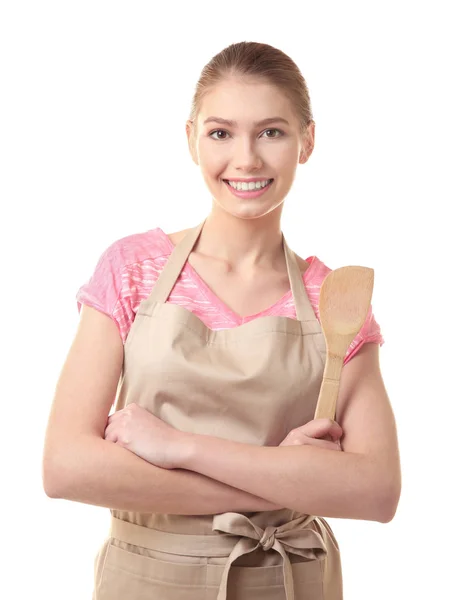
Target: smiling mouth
[
  {"x": 249, "y": 194},
  {"x": 270, "y": 180}
]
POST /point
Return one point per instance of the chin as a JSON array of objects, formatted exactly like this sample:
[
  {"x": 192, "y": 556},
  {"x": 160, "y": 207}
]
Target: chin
[{"x": 245, "y": 212}]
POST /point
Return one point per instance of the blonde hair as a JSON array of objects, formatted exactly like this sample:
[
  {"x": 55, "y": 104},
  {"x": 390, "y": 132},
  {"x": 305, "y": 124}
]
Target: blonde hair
[{"x": 260, "y": 61}]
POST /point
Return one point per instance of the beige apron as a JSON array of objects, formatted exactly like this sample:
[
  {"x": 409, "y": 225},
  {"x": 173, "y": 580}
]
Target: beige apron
[{"x": 252, "y": 384}]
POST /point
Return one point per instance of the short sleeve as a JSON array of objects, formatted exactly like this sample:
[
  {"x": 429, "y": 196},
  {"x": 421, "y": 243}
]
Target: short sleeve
[
  {"x": 369, "y": 332},
  {"x": 103, "y": 290}
]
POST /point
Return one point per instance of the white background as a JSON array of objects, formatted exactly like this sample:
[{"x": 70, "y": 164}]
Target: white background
[{"x": 94, "y": 98}]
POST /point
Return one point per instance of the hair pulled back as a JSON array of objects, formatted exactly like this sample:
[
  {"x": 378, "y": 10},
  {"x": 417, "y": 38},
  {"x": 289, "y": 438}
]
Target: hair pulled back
[{"x": 255, "y": 60}]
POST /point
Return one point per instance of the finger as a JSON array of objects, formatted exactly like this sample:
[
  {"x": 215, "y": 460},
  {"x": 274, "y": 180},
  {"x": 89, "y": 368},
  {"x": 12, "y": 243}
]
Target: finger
[
  {"x": 321, "y": 427},
  {"x": 333, "y": 436},
  {"x": 336, "y": 431},
  {"x": 110, "y": 434},
  {"x": 108, "y": 422},
  {"x": 113, "y": 416}
]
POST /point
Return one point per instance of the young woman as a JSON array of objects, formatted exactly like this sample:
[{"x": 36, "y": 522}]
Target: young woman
[{"x": 209, "y": 339}]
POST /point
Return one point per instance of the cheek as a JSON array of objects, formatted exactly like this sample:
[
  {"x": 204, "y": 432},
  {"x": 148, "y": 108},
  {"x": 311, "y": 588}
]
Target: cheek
[
  {"x": 286, "y": 158},
  {"x": 212, "y": 165},
  {"x": 209, "y": 153}
]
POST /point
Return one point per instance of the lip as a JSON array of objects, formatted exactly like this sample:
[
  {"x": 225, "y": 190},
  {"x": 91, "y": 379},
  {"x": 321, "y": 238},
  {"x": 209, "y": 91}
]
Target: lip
[
  {"x": 237, "y": 179},
  {"x": 248, "y": 194}
]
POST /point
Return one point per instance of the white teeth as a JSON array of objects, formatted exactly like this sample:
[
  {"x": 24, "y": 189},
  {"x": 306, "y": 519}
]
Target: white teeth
[{"x": 241, "y": 185}]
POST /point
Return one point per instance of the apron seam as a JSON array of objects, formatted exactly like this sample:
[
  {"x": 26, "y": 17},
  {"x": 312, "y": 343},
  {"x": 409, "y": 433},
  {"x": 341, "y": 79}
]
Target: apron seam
[{"x": 261, "y": 333}]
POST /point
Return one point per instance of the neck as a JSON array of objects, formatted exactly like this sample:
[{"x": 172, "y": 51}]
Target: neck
[{"x": 243, "y": 244}]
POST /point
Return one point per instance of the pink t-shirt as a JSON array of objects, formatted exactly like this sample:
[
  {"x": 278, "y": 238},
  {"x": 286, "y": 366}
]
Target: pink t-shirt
[{"x": 127, "y": 270}]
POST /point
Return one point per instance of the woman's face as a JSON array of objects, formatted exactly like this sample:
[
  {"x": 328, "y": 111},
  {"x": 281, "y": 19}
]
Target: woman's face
[{"x": 247, "y": 149}]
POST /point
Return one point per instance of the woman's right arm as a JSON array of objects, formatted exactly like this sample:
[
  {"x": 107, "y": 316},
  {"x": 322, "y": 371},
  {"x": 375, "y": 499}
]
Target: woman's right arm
[{"x": 80, "y": 465}]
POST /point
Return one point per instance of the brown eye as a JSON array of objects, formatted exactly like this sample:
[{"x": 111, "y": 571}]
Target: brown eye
[
  {"x": 217, "y": 131},
  {"x": 274, "y": 136}
]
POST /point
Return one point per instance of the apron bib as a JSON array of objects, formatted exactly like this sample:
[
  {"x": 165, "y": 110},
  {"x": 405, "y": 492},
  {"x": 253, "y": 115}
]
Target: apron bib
[{"x": 253, "y": 384}]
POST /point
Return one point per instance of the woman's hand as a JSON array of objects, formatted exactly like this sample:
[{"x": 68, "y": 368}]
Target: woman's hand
[
  {"x": 147, "y": 436},
  {"x": 323, "y": 433}
]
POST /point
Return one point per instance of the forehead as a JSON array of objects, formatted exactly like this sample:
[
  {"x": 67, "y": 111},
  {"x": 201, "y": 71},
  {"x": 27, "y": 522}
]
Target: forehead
[{"x": 245, "y": 100}]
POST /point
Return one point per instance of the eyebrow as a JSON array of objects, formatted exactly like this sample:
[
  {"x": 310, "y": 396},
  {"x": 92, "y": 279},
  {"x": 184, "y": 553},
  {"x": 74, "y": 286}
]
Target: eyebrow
[{"x": 256, "y": 123}]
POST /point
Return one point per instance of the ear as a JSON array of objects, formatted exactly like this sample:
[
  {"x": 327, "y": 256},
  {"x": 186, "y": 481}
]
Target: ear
[
  {"x": 191, "y": 140},
  {"x": 308, "y": 142}
]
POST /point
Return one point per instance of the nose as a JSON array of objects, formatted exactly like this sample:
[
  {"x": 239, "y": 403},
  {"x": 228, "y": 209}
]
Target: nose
[{"x": 246, "y": 158}]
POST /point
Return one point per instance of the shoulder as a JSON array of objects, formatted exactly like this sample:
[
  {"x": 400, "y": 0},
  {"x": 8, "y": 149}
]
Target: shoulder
[
  {"x": 135, "y": 248},
  {"x": 313, "y": 271},
  {"x": 313, "y": 278},
  {"x": 122, "y": 270},
  {"x": 121, "y": 258}
]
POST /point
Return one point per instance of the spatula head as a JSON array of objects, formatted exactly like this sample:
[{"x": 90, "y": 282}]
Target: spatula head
[{"x": 344, "y": 302}]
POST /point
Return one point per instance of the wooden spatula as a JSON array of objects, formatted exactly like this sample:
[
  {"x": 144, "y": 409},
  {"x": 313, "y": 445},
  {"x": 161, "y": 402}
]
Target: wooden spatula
[{"x": 345, "y": 298}]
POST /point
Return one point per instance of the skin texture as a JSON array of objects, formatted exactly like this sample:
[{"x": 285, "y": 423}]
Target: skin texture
[{"x": 147, "y": 436}]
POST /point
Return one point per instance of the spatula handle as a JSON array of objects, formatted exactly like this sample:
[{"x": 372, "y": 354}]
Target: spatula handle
[
  {"x": 326, "y": 403},
  {"x": 329, "y": 389}
]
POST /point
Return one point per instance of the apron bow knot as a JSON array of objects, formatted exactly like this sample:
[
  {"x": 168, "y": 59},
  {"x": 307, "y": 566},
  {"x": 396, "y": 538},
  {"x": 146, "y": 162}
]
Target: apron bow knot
[
  {"x": 268, "y": 538},
  {"x": 293, "y": 537}
]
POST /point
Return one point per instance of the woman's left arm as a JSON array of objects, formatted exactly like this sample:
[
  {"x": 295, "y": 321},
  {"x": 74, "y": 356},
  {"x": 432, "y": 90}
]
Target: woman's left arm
[{"x": 361, "y": 482}]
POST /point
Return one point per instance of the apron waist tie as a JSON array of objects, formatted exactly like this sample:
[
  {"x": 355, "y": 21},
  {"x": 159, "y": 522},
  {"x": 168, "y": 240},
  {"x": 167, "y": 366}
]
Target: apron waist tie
[{"x": 240, "y": 536}]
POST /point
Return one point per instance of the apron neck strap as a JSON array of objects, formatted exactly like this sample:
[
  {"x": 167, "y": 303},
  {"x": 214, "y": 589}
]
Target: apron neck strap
[
  {"x": 179, "y": 257},
  {"x": 303, "y": 306},
  {"x": 174, "y": 265}
]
